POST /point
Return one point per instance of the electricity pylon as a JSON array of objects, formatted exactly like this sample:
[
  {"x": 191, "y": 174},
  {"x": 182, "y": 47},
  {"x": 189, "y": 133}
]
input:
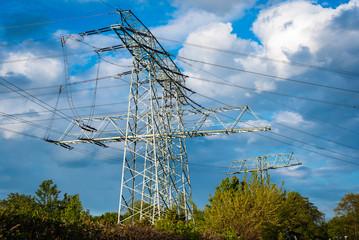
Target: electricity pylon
[
  {"x": 155, "y": 173},
  {"x": 263, "y": 163}
]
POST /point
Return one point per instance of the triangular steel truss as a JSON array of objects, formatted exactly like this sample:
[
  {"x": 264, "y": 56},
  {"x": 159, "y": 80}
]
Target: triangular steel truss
[{"x": 263, "y": 163}]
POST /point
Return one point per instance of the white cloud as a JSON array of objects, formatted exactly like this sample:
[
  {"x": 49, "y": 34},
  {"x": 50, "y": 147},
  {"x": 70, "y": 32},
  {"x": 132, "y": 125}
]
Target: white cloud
[
  {"x": 178, "y": 28},
  {"x": 294, "y": 171},
  {"x": 265, "y": 85},
  {"x": 289, "y": 118},
  {"x": 38, "y": 70},
  {"x": 300, "y": 31},
  {"x": 216, "y": 35},
  {"x": 297, "y": 31}
]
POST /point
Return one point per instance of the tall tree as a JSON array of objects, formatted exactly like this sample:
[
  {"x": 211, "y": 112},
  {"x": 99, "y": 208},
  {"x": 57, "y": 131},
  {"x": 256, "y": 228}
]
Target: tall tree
[
  {"x": 301, "y": 219},
  {"x": 71, "y": 209},
  {"x": 48, "y": 198},
  {"x": 346, "y": 218},
  {"x": 247, "y": 209}
]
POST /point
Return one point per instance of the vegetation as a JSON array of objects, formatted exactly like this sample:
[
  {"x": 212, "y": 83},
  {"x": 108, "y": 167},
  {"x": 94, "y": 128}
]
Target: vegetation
[
  {"x": 257, "y": 209},
  {"x": 345, "y": 222},
  {"x": 253, "y": 208}
]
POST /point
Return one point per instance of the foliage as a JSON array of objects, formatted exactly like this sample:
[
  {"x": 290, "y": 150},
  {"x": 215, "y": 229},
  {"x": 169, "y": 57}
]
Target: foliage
[
  {"x": 137, "y": 206},
  {"x": 47, "y": 216},
  {"x": 301, "y": 219},
  {"x": 19, "y": 227},
  {"x": 250, "y": 209},
  {"x": 17, "y": 204},
  {"x": 48, "y": 198},
  {"x": 346, "y": 218},
  {"x": 108, "y": 218},
  {"x": 247, "y": 209},
  {"x": 176, "y": 223},
  {"x": 46, "y": 204},
  {"x": 257, "y": 209},
  {"x": 71, "y": 209}
]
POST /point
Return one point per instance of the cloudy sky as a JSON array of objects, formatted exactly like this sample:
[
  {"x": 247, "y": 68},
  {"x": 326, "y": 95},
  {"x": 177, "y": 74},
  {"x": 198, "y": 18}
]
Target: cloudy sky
[{"x": 295, "y": 63}]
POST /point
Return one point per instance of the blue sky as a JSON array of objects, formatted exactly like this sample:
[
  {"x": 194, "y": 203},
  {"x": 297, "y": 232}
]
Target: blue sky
[{"x": 317, "y": 121}]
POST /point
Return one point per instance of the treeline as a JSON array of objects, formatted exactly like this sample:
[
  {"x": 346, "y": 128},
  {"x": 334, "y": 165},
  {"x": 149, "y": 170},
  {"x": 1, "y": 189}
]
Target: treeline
[{"x": 253, "y": 208}]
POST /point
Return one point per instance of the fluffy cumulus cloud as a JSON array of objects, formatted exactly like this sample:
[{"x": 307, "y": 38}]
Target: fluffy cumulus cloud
[
  {"x": 290, "y": 118},
  {"x": 296, "y": 31},
  {"x": 215, "y": 35},
  {"x": 300, "y": 31},
  {"x": 37, "y": 70},
  {"x": 183, "y": 24},
  {"x": 191, "y": 15}
]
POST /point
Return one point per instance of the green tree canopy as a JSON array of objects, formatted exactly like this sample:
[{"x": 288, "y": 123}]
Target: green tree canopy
[
  {"x": 48, "y": 198},
  {"x": 301, "y": 219},
  {"x": 47, "y": 203},
  {"x": 255, "y": 208},
  {"x": 346, "y": 218},
  {"x": 19, "y": 204},
  {"x": 247, "y": 209}
]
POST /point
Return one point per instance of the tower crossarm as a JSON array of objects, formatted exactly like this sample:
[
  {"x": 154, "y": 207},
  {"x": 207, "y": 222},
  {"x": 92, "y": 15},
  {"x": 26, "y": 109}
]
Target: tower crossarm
[
  {"x": 264, "y": 163},
  {"x": 148, "y": 52},
  {"x": 196, "y": 123}
]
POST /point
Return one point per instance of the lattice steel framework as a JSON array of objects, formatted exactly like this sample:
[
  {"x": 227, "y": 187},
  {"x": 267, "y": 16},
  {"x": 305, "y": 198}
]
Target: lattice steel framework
[
  {"x": 155, "y": 173},
  {"x": 263, "y": 163}
]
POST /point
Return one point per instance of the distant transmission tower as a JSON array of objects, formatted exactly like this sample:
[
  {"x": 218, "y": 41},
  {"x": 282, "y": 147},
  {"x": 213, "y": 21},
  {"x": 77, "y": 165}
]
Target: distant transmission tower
[
  {"x": 263, "y": 163},
  {"x": 155, "y": 173}
]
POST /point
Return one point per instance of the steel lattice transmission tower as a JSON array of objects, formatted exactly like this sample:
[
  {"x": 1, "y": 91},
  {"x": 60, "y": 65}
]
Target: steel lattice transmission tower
[
  {"x": 263, "y": 163},
  {"x": 155, "y": 173}
]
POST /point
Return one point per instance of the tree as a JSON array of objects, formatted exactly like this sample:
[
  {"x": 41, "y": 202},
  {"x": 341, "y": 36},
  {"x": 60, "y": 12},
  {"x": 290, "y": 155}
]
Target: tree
[
  {"x": 47, "y": 198},
  {"x": 137, "y": 205},
  {"x": 247, "y": 209},
  {"x": 19, "y": 204},
  {"x": 258, "y": 209},
  {"x": 346, "y": 217},
  {"x": 301, "y": 219},
  {"x": 71, "y": 208},
  {"x": 176, "y": 223},
  {"x": 108, "y": 218}
]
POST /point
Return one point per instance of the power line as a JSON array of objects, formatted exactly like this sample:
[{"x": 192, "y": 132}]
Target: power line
[
  {"x": 211, "y": 64},
  {"x": 26, "y": 121},
  {"x": 286, "y": 106},
  {"x": 328, "y": 69},
  {"x": 64, "y": 109},
  {"x": 268, "y": 75},
  {"x": 74, "y": 149},
  {"x": 319, "y": 147},
  {"x": 318, "y": 153},
  {"x": 31, "y": 98},
  {"x": 276, "y": 102},
  {"x": 312, "y": 145},
  {"x": 107, "y": 4},
  {"x": 61, "y": 20},
  {"x": 297, "y": 140},
  {"x": 111, "y": 87},
  {"x": 8, "y": 44},
  {"x": 284, "y": 136},
  {"x": 312, "y": 135},
  {"x": 44, "y": 57},
  {"x": 279, "y": 94}
]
